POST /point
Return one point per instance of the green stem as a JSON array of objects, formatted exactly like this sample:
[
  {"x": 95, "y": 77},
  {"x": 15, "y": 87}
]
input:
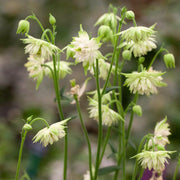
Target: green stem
[
  {"x": 41, "y": 119},
  {"x": 176, "y": 171},
  {"x": 23, "y": 137},
  {"x": 58, "y": 99},
  {"x": 86, "y": 136},
  {"x": 141, "y": 173},
  {"x": 105, "y": 143},
  {"x": 155, "y": 56},
  {"x": 131, "y": 120},
  {"x": 100, "y": 122}
]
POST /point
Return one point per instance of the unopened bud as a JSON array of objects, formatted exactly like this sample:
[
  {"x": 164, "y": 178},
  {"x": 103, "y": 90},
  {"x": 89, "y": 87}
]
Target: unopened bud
[
  {"x": 141, "y": 60},
  {"x": 23, "y": 27},
  {"x": 130, "y": 15},
  {"x": 169, "y": 60},
  {"x": 126, "y": 54},
  {"x": 52, "y": 19},
  {"x": 29, "y": 118},
  {"x": 105, "y": 33},
  {"x": 73, "y": 82},
  {"x": 27, "y": 127},
  {"x": 137, "y": 109}
]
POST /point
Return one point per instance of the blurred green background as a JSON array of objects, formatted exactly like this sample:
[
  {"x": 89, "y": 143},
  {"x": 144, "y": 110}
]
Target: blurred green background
[{"x": 19, "y": 99}]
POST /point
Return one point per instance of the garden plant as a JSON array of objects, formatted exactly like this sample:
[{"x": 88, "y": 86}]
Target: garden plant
[{"x": 105, "y": 103}]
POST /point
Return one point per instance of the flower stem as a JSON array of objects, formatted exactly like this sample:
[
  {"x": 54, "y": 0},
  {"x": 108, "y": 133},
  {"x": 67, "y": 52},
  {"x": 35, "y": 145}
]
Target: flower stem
[
  {"x": 177, "y": 168},
  {"x": 23, "y": 137},
  {"x": 100, "y": 122},
  {"x": 86, "y": 136}
]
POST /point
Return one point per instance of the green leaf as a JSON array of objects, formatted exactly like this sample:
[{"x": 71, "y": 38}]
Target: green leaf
[
  {"x": 111, "y": 88},
  {"x": 107, "y": 170}
]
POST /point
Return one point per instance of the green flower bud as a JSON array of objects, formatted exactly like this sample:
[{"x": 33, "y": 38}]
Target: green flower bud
[
  {"x": 73, "y": 82},
  {"x": 130, "y": 15},
  {"x": 27, "y": 127},
  {"x": 105, "y": 33},
  {"x": 141, "y": 60},
  {"x": 23, "y": 27},
  {"x": 126, "y": 54},
  {"x": 52, "y": 19},
  {"x": 169, "y": 60},
  {"x": 137, "y": 109},
  {"x": 29, "y": 118}
]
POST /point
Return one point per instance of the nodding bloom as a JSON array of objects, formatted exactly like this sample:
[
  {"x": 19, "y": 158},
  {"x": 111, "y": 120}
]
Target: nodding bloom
[
  {"x": 161, "y": 133},
  {"x": 85, "y": 49},
  {"x": 109, "y": 117},
  {"x": 153, "y": 159},
  {"x": 39, "y": 47},
  {"x": 139, "y": 40},
  {"x": 144, "y": 82},
  {"x": 35, "y": 68},
  {"x": 52, "y": 134}
]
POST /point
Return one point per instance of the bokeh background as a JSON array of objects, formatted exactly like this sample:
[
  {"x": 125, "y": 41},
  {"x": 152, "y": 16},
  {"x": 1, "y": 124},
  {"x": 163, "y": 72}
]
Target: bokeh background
[{"x": 19, "y": 99}]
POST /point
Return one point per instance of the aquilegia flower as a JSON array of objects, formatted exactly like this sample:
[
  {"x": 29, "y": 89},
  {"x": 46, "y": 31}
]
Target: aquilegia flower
[
  {"x": 109, "y": 117},
  {"x": 85, "y": 49},
  {"x": 153, "y": 159},
  {"x": 35, "y": 68},
  {"x": 144, "y": 82},
  {"x": 139, "y": 40},
  {"x": 52, "y": 134},
  {"x": 39, "y": 47},
  {"x": 161, "y": 133}
]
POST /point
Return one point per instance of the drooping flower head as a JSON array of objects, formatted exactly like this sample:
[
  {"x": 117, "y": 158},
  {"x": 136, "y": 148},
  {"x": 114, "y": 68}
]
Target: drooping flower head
[
  {"x": 85, "y": 49},
  {"x": 161, "y": 133},
  {"x": 52, "y": 134},
  {"x": 109, "y": 116},
  {"x": 144, "y": 82},
  {"x": 35, "y": 68},
  {"x": 153, "y": 159},
  {"x": 139, "y": 39},
  {"x": 39, "y": 47}
]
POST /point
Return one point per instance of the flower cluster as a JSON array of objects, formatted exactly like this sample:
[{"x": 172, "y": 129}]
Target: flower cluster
[
  {"x": 85, "y": 49},
  {"x": 144, "y": 82},
  {"x": 52, "y": 134},
  {"x": 139, "y": 39},
  {"x": 109, "y": 116}
]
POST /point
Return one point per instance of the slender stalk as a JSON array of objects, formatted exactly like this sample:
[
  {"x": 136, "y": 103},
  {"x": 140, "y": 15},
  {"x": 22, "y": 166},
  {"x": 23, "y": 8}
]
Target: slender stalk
[
  {"x": 141, "y": 173},
  {"x": 100, "y": 122},
  {"x": 41, "y": 119},
  {"x": 105, "y": 143},
  {"x": 86, "y": 136},
  {"x": 23, "y": 137},
  {"x": 131, "y": 120},
  {"x": 177, "y": 168}
]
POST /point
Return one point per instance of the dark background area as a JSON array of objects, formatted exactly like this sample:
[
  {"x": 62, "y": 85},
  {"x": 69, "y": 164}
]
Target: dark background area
[{"x": 19, "y": 99}]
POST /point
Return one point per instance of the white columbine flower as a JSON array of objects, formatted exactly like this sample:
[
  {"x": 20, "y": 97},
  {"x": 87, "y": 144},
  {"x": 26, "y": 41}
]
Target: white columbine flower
[
  {"x": 144, "y": 82},
  {"x": 52, "y": 134},
  {"x": 109, "y": 117},
  {"x": 161, "y": 133},
  {"x": 139, "y": 40},
  {"x": 153, "y": 159},
  {"x": 39, "y": 47},
  {"x": 36, "y": 71},
  {"x": 85, "y": 49}
]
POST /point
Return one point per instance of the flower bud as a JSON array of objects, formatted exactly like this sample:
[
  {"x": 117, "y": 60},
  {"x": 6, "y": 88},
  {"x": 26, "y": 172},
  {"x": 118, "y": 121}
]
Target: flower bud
[
  {"x": 105, "y": 33},
  {"x": 141, "y": 60},
  {"x": 137, "y": 109},
  {"x": 130, "y": 15},
  {"x": 29, "y": 118},
  {"x": 52, "y": 19},
  {"x": 73, "y": 82},
  {"x": 169, "y": 60},
  {"x": 126, "y": 54},
  {"x": 27, "y": 127},
  {"x": 23, "y": 27}
]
